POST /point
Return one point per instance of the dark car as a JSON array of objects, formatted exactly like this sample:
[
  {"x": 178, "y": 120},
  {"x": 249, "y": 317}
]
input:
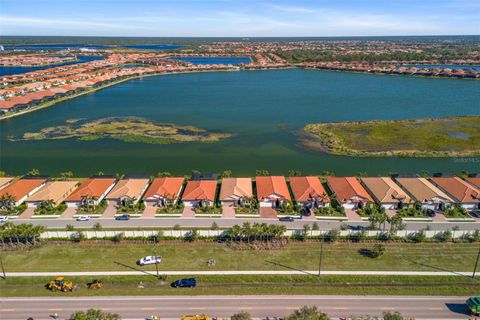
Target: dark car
[
  {"x": 184, "y": 283},
  {"x": 475, "y": 213},
  {"x": 287, "y": 219},
  {"x": 430, "y": 213},
  {"x": 123, "y": 217}
]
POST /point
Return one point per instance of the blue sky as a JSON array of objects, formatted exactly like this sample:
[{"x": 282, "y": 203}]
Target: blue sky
[{"x": 242, "y": 18}]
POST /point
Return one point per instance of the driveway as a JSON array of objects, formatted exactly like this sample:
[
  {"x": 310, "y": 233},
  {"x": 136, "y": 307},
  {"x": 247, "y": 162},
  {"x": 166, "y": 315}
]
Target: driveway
[
  {"x": 267, "y": 213},
  {"x": 188, "y": 212},
  {"x": 27, "y": 214},
  {"x": 110, "y": 210},
  {"x": 352, "y": 215},
  {"x": 228, "y": 211},
  {"x": 68, "y": 213},
  {"x": 149, "y": 212},
  {"x": 439, "y": 217}
]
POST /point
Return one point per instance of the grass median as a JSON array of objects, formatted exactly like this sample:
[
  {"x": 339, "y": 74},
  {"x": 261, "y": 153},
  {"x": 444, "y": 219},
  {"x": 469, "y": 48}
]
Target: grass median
[
  {"x": 193, "y": 256},
  {"x": 236, "y": 285}
]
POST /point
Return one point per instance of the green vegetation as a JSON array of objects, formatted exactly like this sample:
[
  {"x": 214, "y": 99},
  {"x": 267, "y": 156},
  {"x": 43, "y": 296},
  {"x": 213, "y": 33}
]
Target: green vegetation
[
  {"x": 127, "y": 129},
  {"x": 455, "y": 211},
  {"x": 172, "y": 208},
  {"x": 14, "y": 234},
  {"x": 130, "y": 207},
  {"x": 308, "y": 313},
  {"x": 94, "y": 314},
  {"x": 248, "y": 284},
  {"x": 89, "y": 207},
  {"x": 103, "y": 255},
  {"x": 48, "y": 208},
  {"x": 444, "y": 137}
]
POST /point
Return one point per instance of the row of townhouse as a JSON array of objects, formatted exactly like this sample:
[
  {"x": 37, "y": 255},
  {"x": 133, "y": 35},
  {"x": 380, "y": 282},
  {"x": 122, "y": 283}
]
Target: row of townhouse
[{"x": 352, "y": 193}]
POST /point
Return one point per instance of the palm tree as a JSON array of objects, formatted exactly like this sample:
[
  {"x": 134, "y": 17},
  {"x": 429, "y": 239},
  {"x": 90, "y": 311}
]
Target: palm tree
[
  {"x": 66, "y": 175},
  {"x": 7, "y": 202},
  {"x": 47, "y": 204}
]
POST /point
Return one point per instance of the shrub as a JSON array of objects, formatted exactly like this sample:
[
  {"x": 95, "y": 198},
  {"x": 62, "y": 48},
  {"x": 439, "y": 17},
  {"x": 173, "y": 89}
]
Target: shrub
[
  {"x": 192, "y": 235},
  {"x": 118, "y": 237},
  {"x": 332, "y": 235},
  {"x": 214, "y": 226},
  {"x": 176, "y": 227},
  {"x": 308, "y": 313},
  {"x": 242, "y": 315},
  {"x": 69, "y": 227},
  {"x": 97, "y": 226},
  {"x": 78, "y": 236},
  {"x": 315, "y": 226}
]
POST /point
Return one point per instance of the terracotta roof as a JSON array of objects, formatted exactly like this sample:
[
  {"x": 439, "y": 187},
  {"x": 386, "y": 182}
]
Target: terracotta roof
[
  {"x": 423, "y": 190},
  {"x": 130, "y": 188},
  {"x": 348, "y": 189},
  {"x": 268, "y": 186},
  {"x": 54, "y": 190},
  {"x": 385, "y": 190},
  {"x": 164, "y": 187},
  {"x": 4, "y": 181},
  {"x": 308, "y": 189},
  {"x": 459, "y": 189},
  {"x": 21, "y": 188},
  {"x": 474, "y": 181},
  {"x": 200, "y": 190},
  {"x": 236, "y": 188},
  {"x": 93, "y": 187}
]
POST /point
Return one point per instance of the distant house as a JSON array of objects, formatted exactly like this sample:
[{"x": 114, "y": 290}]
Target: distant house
[
  {"x": 199, "y": 192},
  {"x": 349, "y": 192},
  {"x": 91, "y": 191},
  {"x": 309, "y": 191},
  {"x": 5, "y": 181},
  {"x": 21, "y": 189},
  {"x": 236, "y": 191},
  {"x": 387, "y": 193},
  {"x": 272, "y": 191},
  {"x": 163, "y": 192},
  {"x": 464, "y": 193},
  {"x": 475, "y": 181},
  {"x": 424, "y": 191},
  {"x": 127, "y": 191},
  {"x": 56, "y": 191}
]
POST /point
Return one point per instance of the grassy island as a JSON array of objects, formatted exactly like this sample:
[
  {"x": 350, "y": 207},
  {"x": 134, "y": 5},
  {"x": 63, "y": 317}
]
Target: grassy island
[
  {"x": 443, "y": 137},
  {"x": 127, "y": 129}
]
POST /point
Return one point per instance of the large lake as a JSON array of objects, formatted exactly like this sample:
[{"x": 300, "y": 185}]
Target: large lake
[{"x": 250, "y": 104}]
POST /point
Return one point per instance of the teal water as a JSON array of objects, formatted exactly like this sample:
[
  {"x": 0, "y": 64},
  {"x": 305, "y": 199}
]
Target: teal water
[{"x": 249, "y": 104}]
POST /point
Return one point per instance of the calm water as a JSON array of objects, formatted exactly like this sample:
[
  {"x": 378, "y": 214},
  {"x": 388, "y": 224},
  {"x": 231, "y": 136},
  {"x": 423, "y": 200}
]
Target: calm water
[
  {"x": 215, "y": 60},
  {"x": 442, "y": 66},
  {"x": 17, "y": 70},
  {"x": 250, "y": 104},
  {"x": 75, "y": 46}
]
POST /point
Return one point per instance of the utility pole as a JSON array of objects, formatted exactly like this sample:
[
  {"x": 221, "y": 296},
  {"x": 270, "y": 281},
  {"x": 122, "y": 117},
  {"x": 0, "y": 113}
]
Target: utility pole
[
  {"x": 320, "y": 260},
  {"x": 156, "y": 263},
  {"x": 476, "y": 264}
]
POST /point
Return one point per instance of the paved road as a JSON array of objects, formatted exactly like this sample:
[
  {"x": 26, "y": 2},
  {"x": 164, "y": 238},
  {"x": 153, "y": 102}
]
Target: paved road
[
  {"x": 222, "y": 223},
  {"x": 239, "y": 272},
  {"x": 258, "y": 306}
]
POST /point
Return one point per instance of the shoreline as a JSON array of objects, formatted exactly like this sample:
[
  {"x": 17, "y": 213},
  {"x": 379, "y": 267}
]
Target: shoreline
[{"x": 90, "y": 90}]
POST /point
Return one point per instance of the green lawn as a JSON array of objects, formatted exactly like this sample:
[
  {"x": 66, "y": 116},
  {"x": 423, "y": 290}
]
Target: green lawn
[
  {"x": 228, "y": 285},
  {"x": 180, "y": 255}
]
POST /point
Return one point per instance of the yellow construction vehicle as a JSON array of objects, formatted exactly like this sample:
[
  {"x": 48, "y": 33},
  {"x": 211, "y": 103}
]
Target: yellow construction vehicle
[
  {"x": 60, "y": 284},
  {"x": 95, "y": 284},
  {"x": 195, "y": 317}
]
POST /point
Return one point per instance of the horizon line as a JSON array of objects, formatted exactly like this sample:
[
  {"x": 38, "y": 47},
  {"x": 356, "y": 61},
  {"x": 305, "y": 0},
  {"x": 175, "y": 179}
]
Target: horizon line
[{"x": 298, "y": 36}]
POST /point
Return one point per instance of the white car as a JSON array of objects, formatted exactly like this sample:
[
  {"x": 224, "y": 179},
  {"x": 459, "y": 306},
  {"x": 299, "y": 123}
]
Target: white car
[
  {"x": 83, "y": 218},
  {"x": 149, "y": 260},
  {"x": 3, "y": 218}
]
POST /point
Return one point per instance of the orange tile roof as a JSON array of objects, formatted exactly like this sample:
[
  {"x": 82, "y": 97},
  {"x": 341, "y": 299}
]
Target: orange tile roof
[
  {"x": 131, "y": 188},
  {"x": 308, "y": 189},
  {"x": 459, "y": 189},
  {"x": 348, "y": 189},
  {"x": 200, "y": 190},
  {"x": 93, "y": 187},
  {"x": 385, "y": 190},
  {"x": 20, "y": 188},
  {"x": 270, "y": 185},
  {"x": 164, "y": 187},
  {"x": 4, "y": 181},
  {"x": 236, "y": 188},
  {"x": 475, "y": 181}
]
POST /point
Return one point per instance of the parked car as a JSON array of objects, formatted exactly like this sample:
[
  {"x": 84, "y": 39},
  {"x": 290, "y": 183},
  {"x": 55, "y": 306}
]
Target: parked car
[
  {"x": 184, "y": 283},
  {"x": 83, "y": 218},
  {"x": 475, "y": 213},
  {"x": 431, "y": 213},
  {"x": 3, "y": 218},
  {"x": 123, "y": 217},
  {"x": 287, "y": 219},
  {"x": 149, "y": 260}
]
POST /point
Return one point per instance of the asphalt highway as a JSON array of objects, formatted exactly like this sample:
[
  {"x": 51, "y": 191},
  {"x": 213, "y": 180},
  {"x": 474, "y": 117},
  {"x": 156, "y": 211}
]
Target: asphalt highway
[
  {"x": 172, "y": 307},
  {"x": 224, "y": 223}
]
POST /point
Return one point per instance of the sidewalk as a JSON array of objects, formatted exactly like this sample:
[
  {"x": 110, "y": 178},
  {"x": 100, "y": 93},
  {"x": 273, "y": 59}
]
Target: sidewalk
[
  {"x": 149, "y": 212},
  {"x": 352, "y": 215},
  {"x": 27, "y": 214},
  {"x": 68, "y": 213}
]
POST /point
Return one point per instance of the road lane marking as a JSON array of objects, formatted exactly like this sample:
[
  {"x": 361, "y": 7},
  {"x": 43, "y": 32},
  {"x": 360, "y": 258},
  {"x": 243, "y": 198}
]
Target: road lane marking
[
  {"x": 7, "y": 310},
  {"x": 147, "y": 308},
  {"x": 54, "y": 309}
]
